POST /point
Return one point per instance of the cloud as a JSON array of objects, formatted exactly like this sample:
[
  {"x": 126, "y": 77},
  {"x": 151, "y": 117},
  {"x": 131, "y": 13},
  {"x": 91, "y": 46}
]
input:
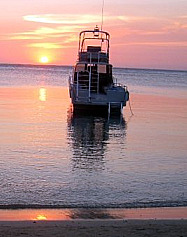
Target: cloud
[
  {"x": 127, "y": 18},
  {"x": 51, "y": 45},
  {"x": 71, "y": 25},
  {"x": 183, "y": 17},
  {"x": 25, "y": 37},
  {"x": 67, "y": 19},
  {"x": 159, "y": 43},
  {"x": 52, "y": 30},
  {"x": 66, "y": 27},
  {"x": 46, "y": 45},
  {"x": 48, "y": 32}
]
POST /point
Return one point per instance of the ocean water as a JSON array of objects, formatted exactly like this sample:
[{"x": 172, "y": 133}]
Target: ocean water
[
  {"x": 23, "y": 75},
  {"x": 50, "y": 156}
]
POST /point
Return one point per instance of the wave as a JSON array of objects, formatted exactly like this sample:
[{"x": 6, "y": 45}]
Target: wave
[{"x": 121, "y": 205}]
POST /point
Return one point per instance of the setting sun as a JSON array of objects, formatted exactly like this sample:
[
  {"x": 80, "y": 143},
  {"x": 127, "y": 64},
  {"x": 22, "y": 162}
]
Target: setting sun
[{"x": 44, "y": 59}]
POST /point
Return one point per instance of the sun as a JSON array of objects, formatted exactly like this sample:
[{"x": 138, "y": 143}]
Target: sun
[{"x": 44, "y": 59}]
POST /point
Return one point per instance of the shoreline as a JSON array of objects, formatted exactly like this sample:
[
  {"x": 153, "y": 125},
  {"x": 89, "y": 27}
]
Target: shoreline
[
  {"x": 64, "y": 214},
  {"x": 135, "y": 222}
]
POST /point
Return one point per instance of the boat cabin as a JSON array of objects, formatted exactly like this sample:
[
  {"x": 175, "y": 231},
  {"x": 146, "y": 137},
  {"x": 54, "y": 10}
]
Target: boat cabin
[
  {"x": 101, "y": 76},
  {"x": 93, "y": 69}
]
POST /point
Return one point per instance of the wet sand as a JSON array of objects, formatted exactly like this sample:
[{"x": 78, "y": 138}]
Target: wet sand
[
  {"x": 135, "y": 222},
  {"x": 65, "y": 214},
  {"x": 92, "y": 228}
]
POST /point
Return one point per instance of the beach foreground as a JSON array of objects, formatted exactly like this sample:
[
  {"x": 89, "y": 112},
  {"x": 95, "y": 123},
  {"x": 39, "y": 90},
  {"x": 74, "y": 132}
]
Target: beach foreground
[{"x": 130, "y": 228}]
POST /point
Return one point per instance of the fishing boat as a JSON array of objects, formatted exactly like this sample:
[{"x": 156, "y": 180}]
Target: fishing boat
[{"x": 91, "y": 85}]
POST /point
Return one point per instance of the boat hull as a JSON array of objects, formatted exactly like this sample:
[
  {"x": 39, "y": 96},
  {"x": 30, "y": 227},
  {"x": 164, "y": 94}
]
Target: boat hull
[
  {"x": 111, "y": 102},
  {"x": 95, "y": 109}
]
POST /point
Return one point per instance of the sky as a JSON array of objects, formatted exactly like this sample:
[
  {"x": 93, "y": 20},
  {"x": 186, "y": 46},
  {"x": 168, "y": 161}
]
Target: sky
[{"x": 144, "y": 33}]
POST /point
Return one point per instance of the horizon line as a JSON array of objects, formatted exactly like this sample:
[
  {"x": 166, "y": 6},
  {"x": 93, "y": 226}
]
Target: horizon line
[{"x": 117, "y": 67}]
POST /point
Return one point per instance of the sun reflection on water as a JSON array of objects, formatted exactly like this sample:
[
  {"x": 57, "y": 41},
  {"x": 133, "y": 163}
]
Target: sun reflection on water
[
  {"x": 42, "y": 94},
  {"x": 41, "y": 217}
]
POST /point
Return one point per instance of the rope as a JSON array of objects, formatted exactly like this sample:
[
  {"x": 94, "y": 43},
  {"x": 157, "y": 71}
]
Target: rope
[{"x": 130, "y": 106}]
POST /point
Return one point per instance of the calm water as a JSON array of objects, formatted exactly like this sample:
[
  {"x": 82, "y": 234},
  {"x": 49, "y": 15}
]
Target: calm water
[
  {"x": 16, "y": 75},
  {"x": 51, "y": 156}
]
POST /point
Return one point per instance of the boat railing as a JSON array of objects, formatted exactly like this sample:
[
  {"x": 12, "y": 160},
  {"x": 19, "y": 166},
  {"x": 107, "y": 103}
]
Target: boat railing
[
  {"x": 116, "y": 84},
  {"x": 99, "y": 37},
  {"x": 82, "y": 86}
]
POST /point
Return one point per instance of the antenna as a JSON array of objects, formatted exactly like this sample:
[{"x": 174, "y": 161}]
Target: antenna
[{"x": 102, "y": 15}]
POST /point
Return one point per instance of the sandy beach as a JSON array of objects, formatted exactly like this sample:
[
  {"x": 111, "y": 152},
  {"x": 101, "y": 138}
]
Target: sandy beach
[{"x": 110, "y": 228}]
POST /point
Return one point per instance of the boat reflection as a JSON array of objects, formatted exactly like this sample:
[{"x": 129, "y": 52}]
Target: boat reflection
[
  {"x": 90, "y": 136},
  {"x": 92, "y": 213}
]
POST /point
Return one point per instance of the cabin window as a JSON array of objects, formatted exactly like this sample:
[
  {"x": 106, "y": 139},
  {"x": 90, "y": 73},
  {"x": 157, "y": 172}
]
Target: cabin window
[
  {"x": 80, "y": 67},
  {"x": 101, "y": 68}
]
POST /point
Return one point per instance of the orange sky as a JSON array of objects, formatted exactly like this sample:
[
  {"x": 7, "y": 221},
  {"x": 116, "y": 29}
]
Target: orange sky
[{"x": 144, "y": 33}]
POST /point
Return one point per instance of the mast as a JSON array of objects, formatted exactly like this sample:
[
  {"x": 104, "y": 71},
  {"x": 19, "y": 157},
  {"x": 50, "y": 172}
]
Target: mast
[{"x": 102, "y": 15}]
